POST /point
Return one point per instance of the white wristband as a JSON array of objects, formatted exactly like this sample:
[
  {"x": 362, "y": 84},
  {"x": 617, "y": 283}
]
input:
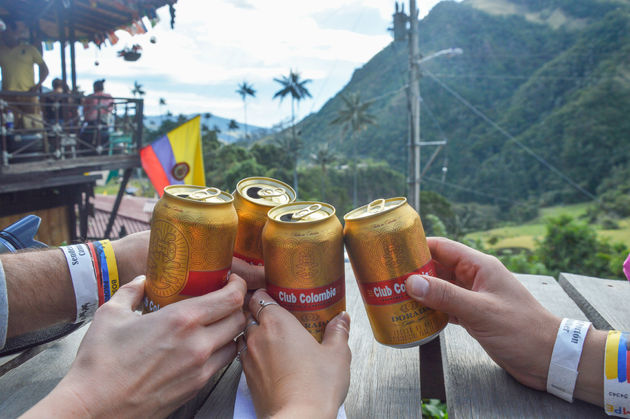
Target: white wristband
[
  {"x": 83, "y": 280},
  {"x": 566, "y": 358}
]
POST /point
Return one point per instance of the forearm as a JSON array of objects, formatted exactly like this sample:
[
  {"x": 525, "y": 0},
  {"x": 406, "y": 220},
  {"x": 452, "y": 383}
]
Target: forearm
[
  {"x": 590, "y": 382},
  {"x": 39, "y": 290}
]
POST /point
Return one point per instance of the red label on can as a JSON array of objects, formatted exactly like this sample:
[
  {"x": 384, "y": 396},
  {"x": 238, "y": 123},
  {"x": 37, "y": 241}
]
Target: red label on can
[
  {"x": 392, "y": 291},
  {"x": 309, "y": 299},
  {"x": 251, "y": 261},
  {"x": 203, "y": 282}
]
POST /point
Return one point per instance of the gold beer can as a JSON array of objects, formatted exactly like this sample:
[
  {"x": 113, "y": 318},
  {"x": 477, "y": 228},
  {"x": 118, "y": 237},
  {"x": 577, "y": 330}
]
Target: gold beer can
[
  {"x": 193, "y": 229},
  {"x": 386, "y": 244},
  {"x": 253, "y": 198},
  {"x": 304, "y": 268}
]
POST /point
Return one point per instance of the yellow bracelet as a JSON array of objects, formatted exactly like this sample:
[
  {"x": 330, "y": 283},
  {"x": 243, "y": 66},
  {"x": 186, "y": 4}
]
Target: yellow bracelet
[{"x": 112, "y": 268}]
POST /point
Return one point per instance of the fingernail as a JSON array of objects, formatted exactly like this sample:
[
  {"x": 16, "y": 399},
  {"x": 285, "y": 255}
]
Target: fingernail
[
  {"x": 344, "y": 318},
  {"x": 417, "y": 286},
  {"x": 139, "y": 278}
]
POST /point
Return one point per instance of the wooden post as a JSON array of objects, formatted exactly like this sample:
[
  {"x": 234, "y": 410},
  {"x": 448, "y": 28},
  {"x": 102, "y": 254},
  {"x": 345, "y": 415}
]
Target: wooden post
[
  {"x": 73, "y": 64},
  {"x": 62, "y": 42},
  {"x": 413, "y": 95}
]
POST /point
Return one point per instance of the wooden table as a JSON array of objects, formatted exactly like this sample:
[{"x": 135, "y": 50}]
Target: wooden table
[{"x": 386, "y": 382}]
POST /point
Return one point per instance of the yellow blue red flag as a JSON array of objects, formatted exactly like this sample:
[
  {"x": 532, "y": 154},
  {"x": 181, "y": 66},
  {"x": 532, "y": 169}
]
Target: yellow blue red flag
[{"x": 175, "y": 158}]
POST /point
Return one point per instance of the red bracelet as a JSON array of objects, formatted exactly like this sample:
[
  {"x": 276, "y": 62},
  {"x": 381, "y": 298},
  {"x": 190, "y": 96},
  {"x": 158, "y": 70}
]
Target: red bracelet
[{"x": 97, "y": 271}]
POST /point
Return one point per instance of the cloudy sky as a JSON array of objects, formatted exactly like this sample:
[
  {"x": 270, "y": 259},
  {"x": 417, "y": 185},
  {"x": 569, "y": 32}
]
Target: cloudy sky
[{"x": 217, "y": 44}]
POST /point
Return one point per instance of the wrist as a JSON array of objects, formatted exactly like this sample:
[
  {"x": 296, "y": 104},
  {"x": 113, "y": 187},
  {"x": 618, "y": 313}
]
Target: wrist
[
  {"x": 128, "y": 262},
  {"x": 590, "y": 386},
  {"x": 62, "y": 401}
]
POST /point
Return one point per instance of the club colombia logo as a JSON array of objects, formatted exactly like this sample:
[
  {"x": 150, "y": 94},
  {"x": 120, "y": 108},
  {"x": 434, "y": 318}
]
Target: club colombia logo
[{"x": 180, "y": 170}]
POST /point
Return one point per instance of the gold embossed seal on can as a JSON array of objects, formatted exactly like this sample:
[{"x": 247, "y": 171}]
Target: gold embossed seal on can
[
  {"x": 193, "y": 229},
  {"x": 253, "y": 198},
  {"x": 304, "y": 268},
  {"x": 386, "y": 244}
]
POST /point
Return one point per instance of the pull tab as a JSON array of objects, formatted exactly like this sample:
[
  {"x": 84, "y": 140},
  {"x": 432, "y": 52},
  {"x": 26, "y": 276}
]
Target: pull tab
[
  {"x": 203, "y": 194},
  {"x": 376, "y": 206},
  {"x": 271, "y": 192},
  {"x": 306, "y": 211}
]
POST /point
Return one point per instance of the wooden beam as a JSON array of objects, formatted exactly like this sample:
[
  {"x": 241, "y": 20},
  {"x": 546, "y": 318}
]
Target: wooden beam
[{"x": 121, "y": 192}]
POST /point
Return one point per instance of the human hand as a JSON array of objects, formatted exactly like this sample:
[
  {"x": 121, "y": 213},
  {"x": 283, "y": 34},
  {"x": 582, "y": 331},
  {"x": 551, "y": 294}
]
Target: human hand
[
  {"x": 252, "y": 274},
  {"x": 288, "y": 372},
  {"x": 480, "y": 294},
  {"x": 132, "y": 365},
  {"x": 131, "y": 255}
]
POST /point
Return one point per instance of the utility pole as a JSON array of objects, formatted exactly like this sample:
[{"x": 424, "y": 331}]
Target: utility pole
[{"x": 413, "y": 96}]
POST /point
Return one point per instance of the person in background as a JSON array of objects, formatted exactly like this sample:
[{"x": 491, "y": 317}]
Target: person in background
[
  {"x": 17, "y": 58},
  {"x": 97, "y": 109}
]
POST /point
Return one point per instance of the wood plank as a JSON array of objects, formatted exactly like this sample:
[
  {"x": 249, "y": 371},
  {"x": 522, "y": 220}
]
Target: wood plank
[
  {"x": 606, "y": 302},
  {"x": 220, "y": 403},
  {"x": 24, "y": 386},
  {"x": 478, "y": 388},
  {"x": 79, "y": 165},
  {"x": 385, "y": 382}
]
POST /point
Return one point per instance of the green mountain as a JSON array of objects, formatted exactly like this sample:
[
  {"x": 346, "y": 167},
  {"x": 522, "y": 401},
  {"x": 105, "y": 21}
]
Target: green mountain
[{"x": 553, "y": 74}]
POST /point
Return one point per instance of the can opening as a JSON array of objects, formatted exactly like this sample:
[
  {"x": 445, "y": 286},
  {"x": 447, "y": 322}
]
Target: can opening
[
  {"x": 253, "y": 192},
  {"x": 286, "y": 217},
  {"x": 182, "y": 195}
]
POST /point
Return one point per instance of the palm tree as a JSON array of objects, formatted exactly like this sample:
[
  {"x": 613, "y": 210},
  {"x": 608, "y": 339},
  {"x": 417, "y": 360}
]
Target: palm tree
[
  {"x": 245, "y": 89},
  {"x": 354, "y": 116},
  {"x": 292, "y": 85},
  {"x": 232, "y": 125},
  {"x": 162, "y": 103},
  {"x": 323, "y": 157},
  {"x": 137, "y": 89}
]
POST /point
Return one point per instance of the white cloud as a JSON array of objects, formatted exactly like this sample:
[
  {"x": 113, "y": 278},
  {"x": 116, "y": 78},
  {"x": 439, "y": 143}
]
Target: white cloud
[{"x": 217, "y": 44}]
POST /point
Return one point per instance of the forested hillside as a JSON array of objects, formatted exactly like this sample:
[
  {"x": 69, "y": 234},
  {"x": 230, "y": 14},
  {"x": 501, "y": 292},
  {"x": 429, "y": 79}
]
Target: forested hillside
[{"x": 562, "y": 92}]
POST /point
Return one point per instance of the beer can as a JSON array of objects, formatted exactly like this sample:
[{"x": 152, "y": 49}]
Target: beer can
[
  {"x": 193, "y": 229},
  {"x": 304, "y": 268},
  {"x": 386, "y": 244},
  {"x": 253, "y": 198}
]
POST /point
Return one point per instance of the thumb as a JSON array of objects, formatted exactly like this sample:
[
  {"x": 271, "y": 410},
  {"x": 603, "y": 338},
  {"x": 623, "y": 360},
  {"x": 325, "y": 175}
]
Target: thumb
[
  {"x": 130, "y": 295},
  {"x": 337, "y": 330},
  {"x": 441, "y": 295}
]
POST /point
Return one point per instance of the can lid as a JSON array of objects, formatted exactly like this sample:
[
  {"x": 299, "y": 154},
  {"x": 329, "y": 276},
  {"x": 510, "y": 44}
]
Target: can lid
[
  {"x": 301, "y": 212},
  {"x": 201, "y": 194},
  {"x": 378, "y": 206},
  {"x": 265, "y": 191}
]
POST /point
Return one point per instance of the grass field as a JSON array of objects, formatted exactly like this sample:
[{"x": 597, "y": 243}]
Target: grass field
[{"x": 525, "y": 235}]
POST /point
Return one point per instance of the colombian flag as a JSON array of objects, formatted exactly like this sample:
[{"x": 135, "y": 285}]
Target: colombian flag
[{"x": 176, "y": 158}]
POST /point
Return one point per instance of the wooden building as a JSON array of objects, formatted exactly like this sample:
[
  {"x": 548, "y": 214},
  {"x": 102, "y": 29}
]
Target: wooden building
[{"x": 45, "y": 170}]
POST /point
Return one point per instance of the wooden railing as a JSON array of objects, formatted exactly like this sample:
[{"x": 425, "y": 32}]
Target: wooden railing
[{"x": 52, "y": 127}]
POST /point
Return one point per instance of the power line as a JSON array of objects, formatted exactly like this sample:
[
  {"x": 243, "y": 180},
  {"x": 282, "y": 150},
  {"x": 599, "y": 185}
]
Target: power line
[
  {"x": 511, "y": 137},
  {"x": 472, "y": 191},
  {"x": 492, "y": 76}
]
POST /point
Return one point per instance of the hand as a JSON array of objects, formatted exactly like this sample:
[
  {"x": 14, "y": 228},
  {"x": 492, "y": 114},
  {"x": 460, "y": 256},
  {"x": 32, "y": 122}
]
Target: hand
[
  {"x": 252, "y": 274},
  {"x": 132, "y": 365},
  {"x": 480, "y": 294},
  {"x": 288, "y": 372},
  {"x": 131, "y": 255}
]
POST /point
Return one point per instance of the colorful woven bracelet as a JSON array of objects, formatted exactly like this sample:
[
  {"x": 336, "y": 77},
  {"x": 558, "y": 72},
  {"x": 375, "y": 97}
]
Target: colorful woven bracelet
[{"x": 97, "y": 271}]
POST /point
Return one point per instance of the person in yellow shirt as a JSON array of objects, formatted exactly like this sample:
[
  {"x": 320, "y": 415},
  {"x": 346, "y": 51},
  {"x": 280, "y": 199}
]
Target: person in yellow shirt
[{"x": 16, "y": 60}]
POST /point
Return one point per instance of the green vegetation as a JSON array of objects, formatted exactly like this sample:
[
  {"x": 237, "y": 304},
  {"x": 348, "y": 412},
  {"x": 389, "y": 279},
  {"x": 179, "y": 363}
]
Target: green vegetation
[{"x": 561, "y": 93}]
